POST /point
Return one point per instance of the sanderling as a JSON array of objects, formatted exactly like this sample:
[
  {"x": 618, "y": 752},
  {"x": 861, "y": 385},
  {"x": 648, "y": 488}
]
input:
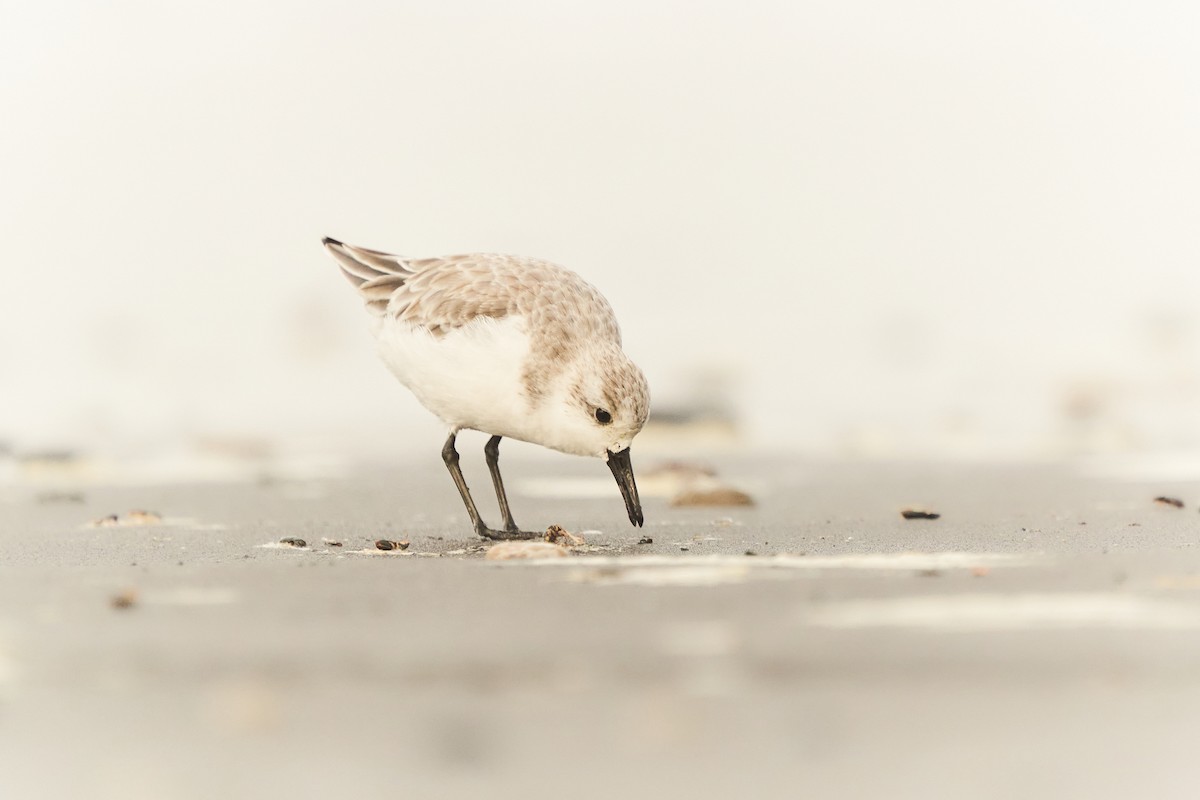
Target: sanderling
[{"x": 509, "y": 346}]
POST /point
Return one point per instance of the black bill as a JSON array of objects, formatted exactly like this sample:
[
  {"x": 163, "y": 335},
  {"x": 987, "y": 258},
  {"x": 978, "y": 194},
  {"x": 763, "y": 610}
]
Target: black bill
[{"x": 622, "y": 470}]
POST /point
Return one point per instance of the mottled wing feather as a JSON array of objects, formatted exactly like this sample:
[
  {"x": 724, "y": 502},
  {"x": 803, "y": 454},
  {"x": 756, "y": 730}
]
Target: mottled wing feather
[
  {"x": 379, "y": 291},
  {"x": 440, "y": 295},
  {"x": 377, "y": 275}
]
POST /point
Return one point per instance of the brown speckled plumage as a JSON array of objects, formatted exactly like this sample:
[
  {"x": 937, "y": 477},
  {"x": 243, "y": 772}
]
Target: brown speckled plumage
[
  {"x": 442, "y": 294},
  {"x": 624, "y": 383}
]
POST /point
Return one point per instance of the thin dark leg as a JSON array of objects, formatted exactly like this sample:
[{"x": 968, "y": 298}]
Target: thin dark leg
[
  {"x": 492, "y": 451},
  {"x": 450, "y": 456}
]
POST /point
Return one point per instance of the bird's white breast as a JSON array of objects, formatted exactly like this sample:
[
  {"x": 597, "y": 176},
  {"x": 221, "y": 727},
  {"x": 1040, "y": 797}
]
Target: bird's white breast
[{"x": 470, "y": 377}]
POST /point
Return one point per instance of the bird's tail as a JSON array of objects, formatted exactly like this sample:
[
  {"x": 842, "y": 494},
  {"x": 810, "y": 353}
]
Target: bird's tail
[{"x": 376, "y": 274}]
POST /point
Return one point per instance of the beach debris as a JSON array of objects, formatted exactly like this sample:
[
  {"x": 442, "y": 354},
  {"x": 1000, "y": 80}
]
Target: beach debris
[
  {"x": 557, "y": 534},
  {"x": 1169, "y": 501},
  {"x": 507, "y": 551},
  {"x": 646, "y": 540},
  {"x": 124, "y": 599},
  {"x": 980, "y": 572},
  {"x": 388, "y": 544},
  {"x": 331, "y": 542},
  {"x": 136, "y": 517},
  {"x": 684, "y": 547},
  {"x": 689, "y": 483},
  {"x": 715, "y": 496},
  {"x": 294, "y": 542},
  {"x": 918, "y": 513},
  {"x": 749, "y": 553}
]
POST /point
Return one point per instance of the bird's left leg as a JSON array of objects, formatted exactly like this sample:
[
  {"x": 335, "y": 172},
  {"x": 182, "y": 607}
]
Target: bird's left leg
[{"x": 492, "y": 452}]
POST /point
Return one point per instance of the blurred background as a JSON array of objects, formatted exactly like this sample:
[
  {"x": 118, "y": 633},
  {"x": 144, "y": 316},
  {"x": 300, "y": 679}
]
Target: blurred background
[{"x": 852, "y": 229}]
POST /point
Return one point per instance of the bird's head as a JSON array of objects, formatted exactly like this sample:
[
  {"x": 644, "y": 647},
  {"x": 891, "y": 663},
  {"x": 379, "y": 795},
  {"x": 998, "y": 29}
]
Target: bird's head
[{"x": 599, "y": 407}]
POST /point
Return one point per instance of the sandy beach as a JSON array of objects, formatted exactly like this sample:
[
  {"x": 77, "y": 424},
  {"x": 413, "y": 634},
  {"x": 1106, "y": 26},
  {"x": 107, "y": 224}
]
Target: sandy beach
[{"x": 1039, "y": 638}]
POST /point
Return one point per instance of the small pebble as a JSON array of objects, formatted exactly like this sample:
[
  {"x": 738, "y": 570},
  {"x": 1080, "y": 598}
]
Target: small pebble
[
  {"x": 132, "y": 518},
  {"x": 385, "y": 544},
  {"x": 646, "y": 540},
  {"x": 750, "y": 553},
  {"x": 294, "y": 542},
  {"x": 125, "y": 599},
  {"x": 557, "y": 534},
  {"x": 912, "y": 513}
]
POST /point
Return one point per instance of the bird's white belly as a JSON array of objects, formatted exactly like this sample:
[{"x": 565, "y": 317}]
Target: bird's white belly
[{"x": 471, "y": 377}]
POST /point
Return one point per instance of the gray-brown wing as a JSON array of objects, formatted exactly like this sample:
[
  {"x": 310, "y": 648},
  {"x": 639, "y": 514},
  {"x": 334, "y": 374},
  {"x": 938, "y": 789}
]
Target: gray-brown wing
[
  {"x": 377, "y": 275},
  {"x": 441, "y": 294},
  {"x": 447, "y": 293}
]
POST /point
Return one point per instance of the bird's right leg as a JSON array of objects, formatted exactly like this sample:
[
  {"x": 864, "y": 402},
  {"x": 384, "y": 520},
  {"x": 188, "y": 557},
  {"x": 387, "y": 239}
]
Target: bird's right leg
[{"x": 450, "y": 456}]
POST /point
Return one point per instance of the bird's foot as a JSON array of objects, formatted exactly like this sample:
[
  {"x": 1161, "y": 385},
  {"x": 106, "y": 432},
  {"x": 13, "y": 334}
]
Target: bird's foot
[{"x": 509, "y": 535}]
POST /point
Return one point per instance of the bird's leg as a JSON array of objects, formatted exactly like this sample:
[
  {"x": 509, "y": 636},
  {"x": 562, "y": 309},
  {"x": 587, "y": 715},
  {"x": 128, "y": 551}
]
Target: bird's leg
[
  {"x": 492, "y": 452},
  {"x": 450, "y": 456}
]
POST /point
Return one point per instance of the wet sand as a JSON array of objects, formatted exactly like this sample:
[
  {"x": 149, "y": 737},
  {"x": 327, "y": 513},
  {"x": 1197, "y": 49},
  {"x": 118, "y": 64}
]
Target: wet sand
[{"x": 1040, "y": 639}]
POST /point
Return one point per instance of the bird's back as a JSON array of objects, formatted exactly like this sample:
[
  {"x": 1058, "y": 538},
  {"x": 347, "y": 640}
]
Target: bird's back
[{"x": 449, "y": 292}]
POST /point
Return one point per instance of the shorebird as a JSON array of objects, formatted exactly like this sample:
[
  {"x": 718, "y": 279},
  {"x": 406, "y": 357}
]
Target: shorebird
[{"x": 510, "y": 346}]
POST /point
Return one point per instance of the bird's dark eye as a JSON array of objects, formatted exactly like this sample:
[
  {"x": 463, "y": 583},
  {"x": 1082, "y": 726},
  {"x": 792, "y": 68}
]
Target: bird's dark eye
[{"x": 603, "y": 417}]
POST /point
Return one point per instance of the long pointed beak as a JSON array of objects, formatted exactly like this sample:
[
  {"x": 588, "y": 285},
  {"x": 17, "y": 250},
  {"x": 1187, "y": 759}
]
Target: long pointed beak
[{"x": 622, "y": 470}]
